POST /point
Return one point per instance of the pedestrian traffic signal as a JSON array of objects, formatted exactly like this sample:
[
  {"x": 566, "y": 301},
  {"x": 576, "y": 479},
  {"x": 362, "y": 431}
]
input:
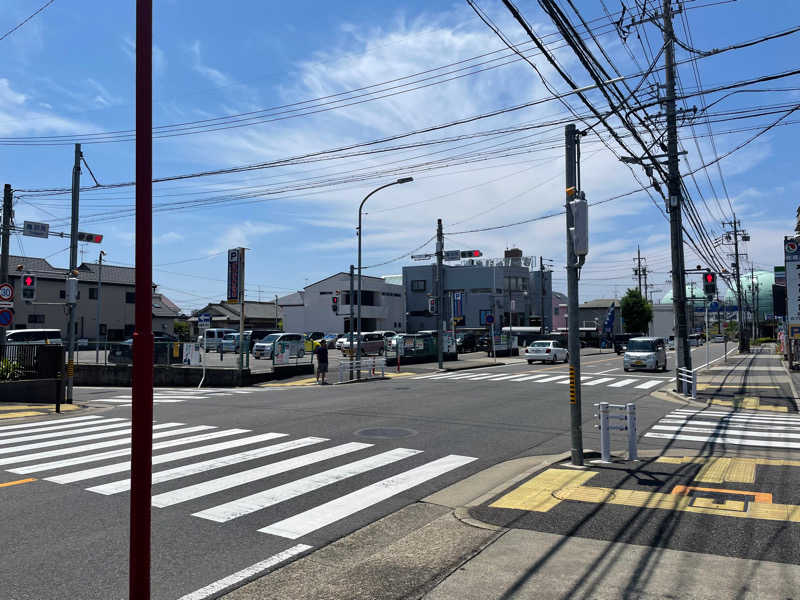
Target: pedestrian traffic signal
[
  {"x": 432, "y": 306},
  {"x": 28, "y": 286},
  {"x": 95, "y": 238},
  {"x": 710, "y": 284},
  {"x": 471, "y": 253},
  {"x": 335, "y": 302}
]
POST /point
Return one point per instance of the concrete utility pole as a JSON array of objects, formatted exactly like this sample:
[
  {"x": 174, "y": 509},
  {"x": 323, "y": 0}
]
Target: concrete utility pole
[
  {"x": 241, "y": 318},
  {"x": 99, "y": 300},
  {"x": 638, "y": 270},
  {"x": 682, "y": 351},
  {"x": 439, "y": 292},
  {"x": 541, "y": 285},
  {"x": 276, "y": 311},
  {"x": 571, "y": 140},
  {"x": 73, "y": 265},
  {"x": 350, "y": 327},
  {"x": 6, "y": 234},
  {"x": 744, "y": 345}
]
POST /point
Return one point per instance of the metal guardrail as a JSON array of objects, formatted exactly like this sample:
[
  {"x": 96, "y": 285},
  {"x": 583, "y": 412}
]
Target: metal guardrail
[
  {"x": 606, "y": 428},
  {"x": 366, "y": 368},
  {"x": 688, "y": 378}
]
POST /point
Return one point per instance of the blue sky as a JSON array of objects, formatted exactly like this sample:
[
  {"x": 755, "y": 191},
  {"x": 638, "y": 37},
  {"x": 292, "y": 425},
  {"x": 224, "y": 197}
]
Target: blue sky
[{"x": 70, "y": 71}]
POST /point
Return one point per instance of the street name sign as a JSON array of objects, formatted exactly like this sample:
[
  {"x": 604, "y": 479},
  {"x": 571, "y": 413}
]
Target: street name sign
[
  {"x": 451, "y": 255},
  {"x": 34, "y": 229},
  {"x": 204, "y": 321}
]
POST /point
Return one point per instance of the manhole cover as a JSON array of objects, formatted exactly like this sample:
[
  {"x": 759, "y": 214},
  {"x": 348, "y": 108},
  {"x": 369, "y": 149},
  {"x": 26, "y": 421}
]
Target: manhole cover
[{"x": 385, "y": 432}]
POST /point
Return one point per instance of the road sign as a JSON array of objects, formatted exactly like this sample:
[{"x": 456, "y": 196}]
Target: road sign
[
  {"x": 489, "y": 319},
  {"x": 6, "y": 316},
  {"x": 204, "y": 321},
  {"x": 6, "y": 292},
  {"x": 235, "y": 273},
  {"x": 4, "y": 304},
  {"x": 421, "y": 256},
  {"x": 34, "y": 229},
  {"x": 791, "y": 257}
]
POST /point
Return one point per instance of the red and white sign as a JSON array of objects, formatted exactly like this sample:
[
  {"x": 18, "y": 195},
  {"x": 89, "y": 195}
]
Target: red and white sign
[{"x": 6, "y": 292}]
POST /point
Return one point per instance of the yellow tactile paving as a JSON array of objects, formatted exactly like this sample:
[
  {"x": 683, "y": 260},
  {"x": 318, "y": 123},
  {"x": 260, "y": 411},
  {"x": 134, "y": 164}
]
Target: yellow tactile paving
[
  {"x": 685, "y": 490},
  {"x": 17, "y": 415},
  {"x": 741, "y": 470},
  {"x": 714, "y": 470},
  {"x": 700, "y": 460},
  {"x": 537, "y": 493}
]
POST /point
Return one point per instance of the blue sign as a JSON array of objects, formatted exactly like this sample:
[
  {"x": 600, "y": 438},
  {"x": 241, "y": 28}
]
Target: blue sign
[
  {"x": 458, "y": 304},
  {"x": 608, "y": 324},
  {"x": 5, "y": 317},
  {"x": 489, "y": 319}
]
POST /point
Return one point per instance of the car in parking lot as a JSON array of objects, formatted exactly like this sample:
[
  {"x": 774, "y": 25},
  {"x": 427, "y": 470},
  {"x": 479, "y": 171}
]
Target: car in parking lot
[
  {"x": 719, "y": 338},
  {"x": 371, "y": 343},
  {"x": 330, "y": 339},
  {"x": 546, "y": 351},
  {"x": 266, "y": 347},
  {"x": 645, "y": 353},
  {"x": 230, "y": 343},
  {"x": 121, "y": 353},
  {"x": 466, "y": 342}
]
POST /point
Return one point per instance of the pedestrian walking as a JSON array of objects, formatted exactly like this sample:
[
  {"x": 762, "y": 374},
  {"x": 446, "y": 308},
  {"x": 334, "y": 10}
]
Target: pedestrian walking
[{"x": 321, "y": 352}]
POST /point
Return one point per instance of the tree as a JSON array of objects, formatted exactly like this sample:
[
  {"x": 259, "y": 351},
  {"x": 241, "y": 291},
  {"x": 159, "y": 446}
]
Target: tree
[{"x": 636, "y": 311}]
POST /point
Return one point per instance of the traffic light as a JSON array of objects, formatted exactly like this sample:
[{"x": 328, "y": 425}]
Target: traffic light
[
  {"x": 710, "y": 284},
  {"x": 29, "y": 286},
  {"x": 335, "y": 302},
  {"x": 95, "y": 238},
  {"x": 432, "y": 305},
  {"x": 471, "y": 253}
]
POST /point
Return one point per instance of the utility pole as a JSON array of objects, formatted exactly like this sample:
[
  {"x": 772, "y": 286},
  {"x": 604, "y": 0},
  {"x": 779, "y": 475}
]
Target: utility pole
[
  {"x": 99, "y": 301},
  {"x": 638, "y": 270},
  {"x": 439, "y": 292},
  {"x": 276, "y": 311},
  {"x": 241, "y": 318},
  {"x": 682, "y": 351},
  {"x": 541, "y": 285},
  {"x": 350, "y": 328},
  {"x": 744, "y": 345},
  {"x": 6, "y": 234},
  {"x": 571, "y": 143},
  {"x": 73, "y": 265}
]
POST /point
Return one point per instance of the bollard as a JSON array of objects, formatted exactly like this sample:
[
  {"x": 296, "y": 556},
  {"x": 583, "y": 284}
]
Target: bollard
[
  {"x": 605, "y": 434},
  {"x": 630, "y": 413},
  {"x": 694, "y": 386}
]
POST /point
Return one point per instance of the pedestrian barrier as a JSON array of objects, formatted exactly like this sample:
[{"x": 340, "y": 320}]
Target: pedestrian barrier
[
  {"x": 688, "y": 378},
  {"x": 365, "y": 368},
  {"x": 606, "y": 428}
]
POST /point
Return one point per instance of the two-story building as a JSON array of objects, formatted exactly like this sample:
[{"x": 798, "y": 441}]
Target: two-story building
[
  {"x": 314, "y": 309},
  {"x": 505, "y": 288},
  {"x": 113, "y": 299}
]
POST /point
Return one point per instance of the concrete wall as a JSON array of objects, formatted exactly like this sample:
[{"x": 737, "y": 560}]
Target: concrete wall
[
  {"x": 46, "y": 391},
  {"x": 164, "y": 376}
]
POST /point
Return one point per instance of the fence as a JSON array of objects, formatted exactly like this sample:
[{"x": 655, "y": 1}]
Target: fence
[
  {"x": 605, "y": 417},
  {"x": 688, "y": 379},
  {"x": 366, "y": 368},
  {"x": 30, "y": 361}
]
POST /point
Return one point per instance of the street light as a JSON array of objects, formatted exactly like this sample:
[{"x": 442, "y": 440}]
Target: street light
[{"x": 361, "y": 206}]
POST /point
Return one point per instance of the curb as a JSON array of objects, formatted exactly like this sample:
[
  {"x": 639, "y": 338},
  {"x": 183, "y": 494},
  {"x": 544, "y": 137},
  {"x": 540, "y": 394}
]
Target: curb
[
  {"x": 467, "y": 367},
  {"x": 785, "y": 365}
]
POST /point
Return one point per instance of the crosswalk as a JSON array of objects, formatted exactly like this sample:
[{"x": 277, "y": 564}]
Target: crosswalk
[
  {"x": 640, "y": 383},
  {"x": 174, "y": 395},
  {"x": 711, "y": 427},
  {"x": 228, "y": 470}
]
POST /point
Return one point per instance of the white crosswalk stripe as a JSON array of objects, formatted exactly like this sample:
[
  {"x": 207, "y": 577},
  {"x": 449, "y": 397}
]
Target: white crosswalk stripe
[
  {"x": 345, "y": 488},
  {"x": 728, "y": 428},
  {"x": 639, "y": 383},
  {"x": 175, "y": 395}
]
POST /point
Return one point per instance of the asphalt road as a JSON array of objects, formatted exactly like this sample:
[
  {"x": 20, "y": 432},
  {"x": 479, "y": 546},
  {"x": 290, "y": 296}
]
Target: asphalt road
[{"x": 346, "y": 456}]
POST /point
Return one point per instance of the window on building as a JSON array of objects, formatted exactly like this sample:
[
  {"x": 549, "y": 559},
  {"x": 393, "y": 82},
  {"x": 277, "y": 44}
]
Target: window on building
[
  {"x": 92, "y": 293},
  {"x": 555, "y": 310},
  {"x": 103, "y": 329},
  {"x": 417, "y": 285},
  {"x": 325, "y": 293},
  {"x": 39, "y": 319},
  {"x": 130, "y": 298}
]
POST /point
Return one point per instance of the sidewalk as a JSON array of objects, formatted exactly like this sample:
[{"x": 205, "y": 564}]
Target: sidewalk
[{"x": 18, "y": 410}]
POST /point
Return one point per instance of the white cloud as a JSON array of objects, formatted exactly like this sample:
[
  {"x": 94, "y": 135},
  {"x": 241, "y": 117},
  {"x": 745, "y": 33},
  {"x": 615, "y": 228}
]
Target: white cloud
[
  {"x": 215, "y": 76},
  {"x": 170, "y": 236},
  {"x": 159, "y": 58},
  {"x": 18, "y": 118},
  {"x": 243, "y": 234}
]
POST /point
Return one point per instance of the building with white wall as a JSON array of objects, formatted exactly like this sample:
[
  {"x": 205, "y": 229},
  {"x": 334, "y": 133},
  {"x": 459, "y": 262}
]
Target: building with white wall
[{"x": 313, "y": 308}]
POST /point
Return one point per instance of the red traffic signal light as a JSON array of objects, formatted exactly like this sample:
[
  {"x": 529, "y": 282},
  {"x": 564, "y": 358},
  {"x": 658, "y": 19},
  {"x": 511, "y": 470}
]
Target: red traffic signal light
[
  {"x": 28, "y": 282},
  {"x": 471, "y": 253},
  {"x": 709, "y": 278},
  {"x": 28, "y": 286},
  {"x": 94, "y": 238}
]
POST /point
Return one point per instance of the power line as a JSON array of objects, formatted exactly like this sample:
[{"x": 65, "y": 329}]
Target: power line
[{"x": 13, "y": 29}]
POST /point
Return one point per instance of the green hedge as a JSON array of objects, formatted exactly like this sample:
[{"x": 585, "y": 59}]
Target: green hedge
[{"x": 765, "y": 340}]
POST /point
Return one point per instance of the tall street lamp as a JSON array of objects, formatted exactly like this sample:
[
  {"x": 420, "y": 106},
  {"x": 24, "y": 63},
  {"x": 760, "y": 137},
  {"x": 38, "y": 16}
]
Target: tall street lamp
[{"x": 361, "y": 206}]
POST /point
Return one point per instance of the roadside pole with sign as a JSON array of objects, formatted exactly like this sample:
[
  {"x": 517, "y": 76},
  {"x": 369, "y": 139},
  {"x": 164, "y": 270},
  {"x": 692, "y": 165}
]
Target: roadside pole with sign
[
  {"x": 791, "y": 254},
  {"x": 203, "y": 323},
  {"x": 490, "y": 321}
]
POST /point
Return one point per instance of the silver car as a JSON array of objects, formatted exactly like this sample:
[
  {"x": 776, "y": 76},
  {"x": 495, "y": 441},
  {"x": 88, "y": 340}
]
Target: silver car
[
  {"x": 371, "y": 343},
  {"x": 546, "y": 351},
  {"x": 645, "y": 353},
  {"x": 266, "y": 347}
]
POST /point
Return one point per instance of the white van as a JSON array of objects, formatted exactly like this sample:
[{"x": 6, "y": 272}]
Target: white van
[
  {"x": 33, "y": 336},
  {"x": 213, "y": 338}
]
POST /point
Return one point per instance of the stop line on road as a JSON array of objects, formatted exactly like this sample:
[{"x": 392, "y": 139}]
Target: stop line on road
[
  {"x": 75, "y": 454},
  {"x": 588, "y": 380}
]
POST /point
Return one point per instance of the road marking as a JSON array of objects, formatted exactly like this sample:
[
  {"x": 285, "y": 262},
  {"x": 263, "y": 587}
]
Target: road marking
[
  {"x": 68, "y": 462},
  {"x": 502, "y": 377},
  {"x": 727, "y": 431},
  {"x": 17, "y": 482},
  {"x": 20, "y": 414},
  {"x": 32, "y": 429},
  {"x": 204, "y": 488},
  {"x": 209, "y": 465},
  {"x": 260, "y": 500},
  {"x": 599, "y": 381},
  {"x": 622, "y": 383},
  {"x": 556, "y": 378},
  {"x": 257, "y": 569},
  {"x": 96, "y": 426},
  {"x": 344, "y": 506},
  {"x": 649, "y": 384},
  {"x": 721, "y": 439},
  {"x": 739, "y": 415},
  {"x": 6, "y": 428},
  {"x": 97, "y": 445},
  {"x": 750, "y": 425},
  {"x": 528, "y": 378},
  {"x": 479, "y": 377}
]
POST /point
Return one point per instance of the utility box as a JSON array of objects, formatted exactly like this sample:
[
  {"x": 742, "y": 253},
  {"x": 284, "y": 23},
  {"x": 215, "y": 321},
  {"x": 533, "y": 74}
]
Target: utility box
[
  {"x": 579, "y": 232},
  {"x": 72, "y": 290}
]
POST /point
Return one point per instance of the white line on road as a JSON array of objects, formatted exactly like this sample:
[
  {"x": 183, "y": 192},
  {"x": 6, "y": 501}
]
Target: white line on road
[
  {"x": 35, "y": 427},
  {"x": 622, "y": 383},
  {"x": 738, "y": 415},
  {"x": 204, "y": 488},
  {"x": 599, "y": 381},
  {"x": 6, "y": 428},
  {"x": 548, "y": 379},
  {"x": 257, "y": 569},
  {"x": 90, "y": 427},
  {"x": 344, "y": 506},
  {"x": 718, "y": 439},
  {"x": 753, "y": 425},
  {"x": 260, "y": 500},
  {"x": 649, "y": 384},
  {"x": 728, "y": 431}
]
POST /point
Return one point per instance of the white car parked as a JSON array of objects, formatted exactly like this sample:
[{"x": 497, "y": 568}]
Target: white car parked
[{"x": 546, "y": 351}]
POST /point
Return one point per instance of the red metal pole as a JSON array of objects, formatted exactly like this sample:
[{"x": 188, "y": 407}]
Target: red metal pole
[{"x": 142, "y": 420}]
